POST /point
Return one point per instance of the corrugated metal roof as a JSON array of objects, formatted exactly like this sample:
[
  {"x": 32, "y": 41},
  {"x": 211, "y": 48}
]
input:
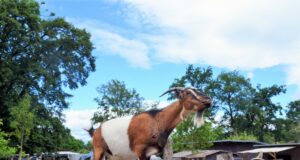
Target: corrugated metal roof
[
  {"x": 267, "y": 150},
  {"x": 197, "y": 154},
  {"x": 205, "y": 153},
  {"x": 279, "y": 145},
  {"x": 239, "y": 141}
]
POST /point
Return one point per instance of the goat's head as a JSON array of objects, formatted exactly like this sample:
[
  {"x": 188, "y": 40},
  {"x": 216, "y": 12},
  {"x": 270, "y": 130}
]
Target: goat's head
[{"x": 192, "y": 101}]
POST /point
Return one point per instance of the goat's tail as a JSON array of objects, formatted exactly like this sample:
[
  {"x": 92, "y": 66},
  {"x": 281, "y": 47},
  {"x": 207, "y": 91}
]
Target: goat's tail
[{"x": 91, "y": 131}]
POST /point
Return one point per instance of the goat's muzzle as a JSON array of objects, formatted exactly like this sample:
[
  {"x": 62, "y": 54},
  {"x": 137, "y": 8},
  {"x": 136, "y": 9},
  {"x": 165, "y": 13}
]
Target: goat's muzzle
[{"x": 207, "y": 102}]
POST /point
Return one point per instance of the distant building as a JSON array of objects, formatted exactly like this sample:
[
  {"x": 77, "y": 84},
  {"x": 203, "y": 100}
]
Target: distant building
[
  {"x": 276, "y": 151},
  {"x": 67, "y": 155},
  {"x": 204, "y": 155},
  {"x": 235, "y": 146}
]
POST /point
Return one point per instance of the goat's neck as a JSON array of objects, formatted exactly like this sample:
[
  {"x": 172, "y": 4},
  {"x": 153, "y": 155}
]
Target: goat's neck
[{"x": 172, "y": 115}]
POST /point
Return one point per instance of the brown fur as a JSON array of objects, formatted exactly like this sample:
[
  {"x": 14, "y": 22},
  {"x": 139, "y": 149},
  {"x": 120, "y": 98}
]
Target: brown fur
[
  {"x": 99, "y": 145},
  {"x": 147, "y": 131}
]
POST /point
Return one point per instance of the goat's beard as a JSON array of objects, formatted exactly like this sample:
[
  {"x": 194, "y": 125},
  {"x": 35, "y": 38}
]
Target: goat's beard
[{"x": 199, "y": 118}]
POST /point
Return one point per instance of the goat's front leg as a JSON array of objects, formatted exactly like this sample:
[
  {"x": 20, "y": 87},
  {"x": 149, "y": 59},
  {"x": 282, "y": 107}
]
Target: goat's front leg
[
  {"x": 139, "y": 150},
  {"x": 144, "y": 158}
]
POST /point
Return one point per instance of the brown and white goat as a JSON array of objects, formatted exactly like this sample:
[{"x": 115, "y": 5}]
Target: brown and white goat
[{"x": 146, "y": 134}]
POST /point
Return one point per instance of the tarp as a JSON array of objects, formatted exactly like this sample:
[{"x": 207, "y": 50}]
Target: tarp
[
  {"x": 204, "y": 153},
  {"x": 182, "y": 154},
  {"x": 267, "y": 150}
]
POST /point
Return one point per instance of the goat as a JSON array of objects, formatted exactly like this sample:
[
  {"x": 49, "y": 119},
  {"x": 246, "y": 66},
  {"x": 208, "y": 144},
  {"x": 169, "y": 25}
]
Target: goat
[{"x": 146, "y": 134}]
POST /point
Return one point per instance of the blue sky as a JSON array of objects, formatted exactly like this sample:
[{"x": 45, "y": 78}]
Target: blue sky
[{"x": 147, "y": 44}]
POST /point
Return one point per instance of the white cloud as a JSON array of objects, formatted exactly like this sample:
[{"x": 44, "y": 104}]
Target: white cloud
[
  {"x": 163, "y": 104},
  {"x": 294, "y": 78},
  {"x": 233, "y": 34},
  {"x": 160, "y": 104},
  {"x": 79, "y": 120},
  {"x": 110, "y": 42},
  {"x": 135, "y": 52},
  {"x": 250, "y": 75}
]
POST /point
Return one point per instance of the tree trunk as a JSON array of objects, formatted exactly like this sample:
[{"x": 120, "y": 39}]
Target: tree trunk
[{"x": 21, "y": 144}]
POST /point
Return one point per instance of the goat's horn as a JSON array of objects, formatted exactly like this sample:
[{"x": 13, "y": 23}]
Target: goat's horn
[
  {"x": 173, "y": 89},
  {"x": 193, "y": 90},
  {"x": 197, "y": 91}
]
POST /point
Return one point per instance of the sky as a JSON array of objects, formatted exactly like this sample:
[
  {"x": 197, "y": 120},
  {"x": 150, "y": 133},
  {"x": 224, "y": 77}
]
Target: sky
[{"x": 149, "y": 43}]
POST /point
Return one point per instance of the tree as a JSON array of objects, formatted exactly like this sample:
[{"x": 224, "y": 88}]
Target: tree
[
  {"x": 40, "y": 57},
  {"x": 189, "y": 137},
  {"x": 293, "y": 112},
  {"x": 266, "y": 114},
  {"x": 42, "y": 139},
  {"x": 292, "y": 123},
  {"x": 22, "y": 121},
  {"x": 232, "y": 93},
  {"x": 186, "y": 135},
  {"x": 50, "y": 135},
  {"x": 115, "y": 100},
  {"x": 5, "y": 150},
  {"x": 199, "y": 78},
  {"x": 247, "y": 112}
]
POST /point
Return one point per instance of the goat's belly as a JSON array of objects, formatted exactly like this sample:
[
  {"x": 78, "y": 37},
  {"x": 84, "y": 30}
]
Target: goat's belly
[{"x": 115, "y": 134}]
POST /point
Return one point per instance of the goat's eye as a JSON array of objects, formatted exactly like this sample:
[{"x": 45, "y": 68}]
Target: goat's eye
[{"x": 191, "y": 95}]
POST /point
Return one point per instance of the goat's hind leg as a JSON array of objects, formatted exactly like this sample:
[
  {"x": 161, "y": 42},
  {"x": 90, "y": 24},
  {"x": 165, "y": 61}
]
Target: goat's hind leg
[
  {"x": 98, "y": 145},
  {"x": 98, "y": 154}
]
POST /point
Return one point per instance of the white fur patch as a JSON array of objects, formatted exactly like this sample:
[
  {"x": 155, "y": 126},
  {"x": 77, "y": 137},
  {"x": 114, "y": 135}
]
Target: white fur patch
[
  {"x": 199, "y": 118},
  {"x": 115, "y": 134}
]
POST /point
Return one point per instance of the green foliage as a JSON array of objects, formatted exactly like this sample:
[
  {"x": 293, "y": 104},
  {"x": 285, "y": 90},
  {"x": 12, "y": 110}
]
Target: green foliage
[
  {"x": 5, "y": 150},
  {"x": 200, "y": 78},
  {"x": 265, "y": 113},
  {"x": 116, "y": 100},
  {"x": 293, "y": 112},
  {"x": 292, "y": 124},
  {"x": 294, "y": 131},
  {"x": 22, "y": 118},
  {"x": 87, "y": 148},
  {"x": 50, "y": 135},
  {"x": 38, "y": 59},
  {"x": 189, "y": 137},
  {"x": 247, "y": 112},
  {"x": 72, "y": 144},
  {"x": 186, "y": 135},
  {"x": 40, "y": 56},
  {"x": 243, "y": 136},
  {"x": 231, "y": 93}
]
